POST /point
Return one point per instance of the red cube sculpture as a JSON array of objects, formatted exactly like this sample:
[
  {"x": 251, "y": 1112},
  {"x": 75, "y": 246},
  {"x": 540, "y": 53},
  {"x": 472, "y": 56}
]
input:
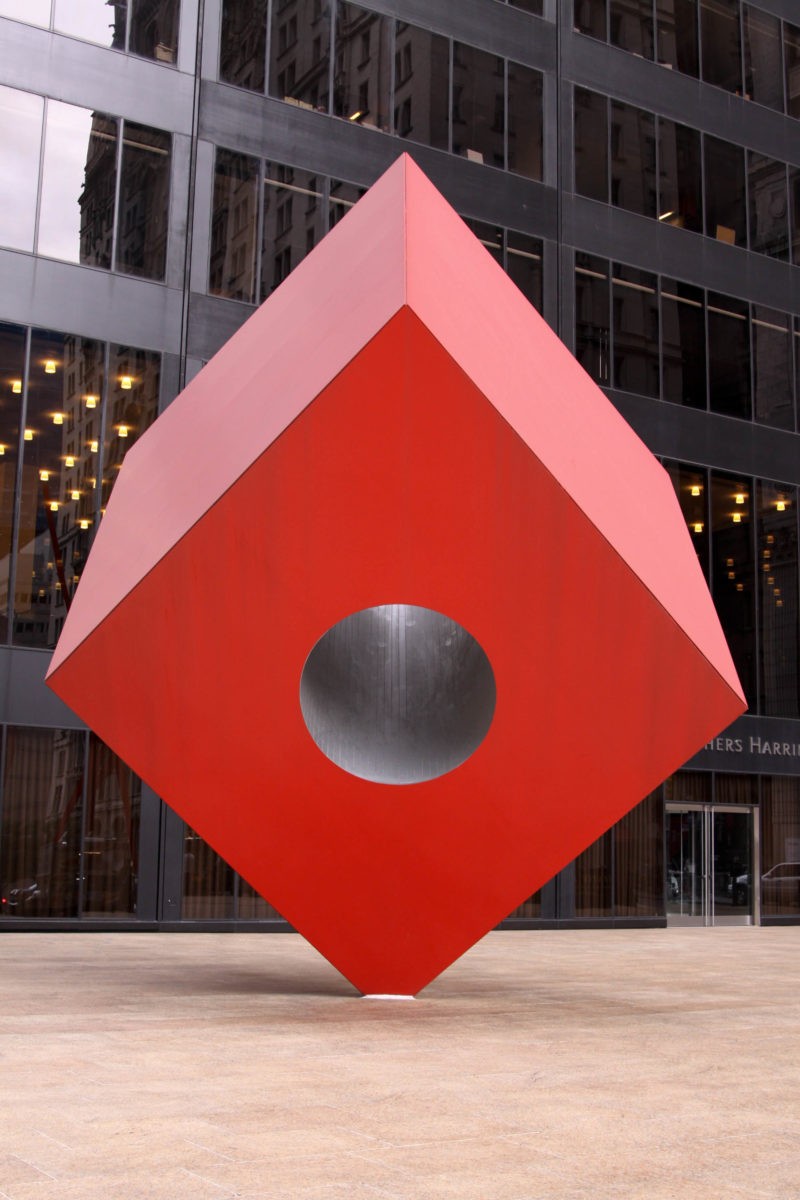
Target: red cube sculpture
[{"x": 391, "y": 605}]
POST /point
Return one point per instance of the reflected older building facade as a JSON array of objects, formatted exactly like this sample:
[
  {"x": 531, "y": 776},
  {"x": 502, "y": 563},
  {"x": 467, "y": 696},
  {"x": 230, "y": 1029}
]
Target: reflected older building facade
[{"x": 178, "y": 165}]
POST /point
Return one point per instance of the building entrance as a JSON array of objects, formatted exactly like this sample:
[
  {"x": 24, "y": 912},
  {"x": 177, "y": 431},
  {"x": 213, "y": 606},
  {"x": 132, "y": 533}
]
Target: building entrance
[{"x": 712, "y": 865}]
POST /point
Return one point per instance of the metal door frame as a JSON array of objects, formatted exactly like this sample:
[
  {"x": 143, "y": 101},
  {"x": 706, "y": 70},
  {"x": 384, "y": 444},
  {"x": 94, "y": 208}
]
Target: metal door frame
[{"x": 709, "y": 917}]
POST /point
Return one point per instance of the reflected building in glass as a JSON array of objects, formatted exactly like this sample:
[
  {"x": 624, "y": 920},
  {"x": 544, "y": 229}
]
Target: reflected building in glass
[{"x": 634, "y": 167}]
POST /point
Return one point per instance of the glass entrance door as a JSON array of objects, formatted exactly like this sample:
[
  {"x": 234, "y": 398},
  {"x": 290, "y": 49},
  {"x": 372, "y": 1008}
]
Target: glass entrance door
[{"x": 711, "y": 858}]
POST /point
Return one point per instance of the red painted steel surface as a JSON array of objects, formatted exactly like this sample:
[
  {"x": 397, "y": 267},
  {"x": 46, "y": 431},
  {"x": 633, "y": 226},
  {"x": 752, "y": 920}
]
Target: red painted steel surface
[{"x": 396, "y": 425}]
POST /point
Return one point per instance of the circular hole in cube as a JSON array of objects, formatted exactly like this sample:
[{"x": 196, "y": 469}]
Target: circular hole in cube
[{"x": 397, "y": 694}]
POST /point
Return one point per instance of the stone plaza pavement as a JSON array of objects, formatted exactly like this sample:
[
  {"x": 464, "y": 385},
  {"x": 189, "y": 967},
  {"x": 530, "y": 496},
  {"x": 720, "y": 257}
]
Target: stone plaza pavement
[{"x": 652, "y": 1064}]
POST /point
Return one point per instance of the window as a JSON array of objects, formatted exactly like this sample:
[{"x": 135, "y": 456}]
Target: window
[
  {"x": 680, "y": 197},
  {"x": 768, "y": 202},
  {"x": 636, "y": 334},
  {"x": 683, "y": 343},
  {"x": 763, "y": 71},
  {"x": 361, "y": 78},
  {"x": 729, "y": 356},
  {"x": 631, "y": 26},
  {"x": 591, "y": 145},
  {"x": 633, "y": 159},
  {"x": 725, "y": 192},
  {"x": 20, "y": 139},
  {"x": 592, "y": 316},
  {"x": 676, "y": 32},
  {"x": 721, "y": 43},
  {"x": 243, "y": 43},
  {"x": 234, "y": 227}
]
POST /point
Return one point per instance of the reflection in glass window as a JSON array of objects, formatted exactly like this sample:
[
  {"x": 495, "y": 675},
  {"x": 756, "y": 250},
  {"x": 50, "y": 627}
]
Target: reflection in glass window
[
  {"x": 32, "y": 12},
  {"x": 93, "y": 21},
  {"x": 794, "y": 212},
  {"x": 153, "y": 31},
  {"x": 76, "y": 217},
  {"x": 252, "y": 907},
  {"x": 631, "y": 26},
  {"x": 530, "y": 6},
  {"x": 732, "y": 572},
  {"x": 769, "y": 219},
  {"x": 591, "y": 145},
  {"x": 725, "y": 192},
  {"x": 529, "y": 909},
  {"x": 40, "y": 575},
  {"x": 40, "y": 831},
  {"x": 524, "y": 265},
  {"x": 763, "y": 72},
  {"x": 680, "y": 197},
  {"x": 772, "y": 368},
  {"x": 20, "y": 140},
  {"x": 633, "y": 159},
  {"x": 590, "y": 18},
  {"x": 478, "y": 105},
  {"x": 779, "y": 628},
  {"x": 780, "y": 845},
  {"x": 720, "y": 39},
  {"x": 234, "y": 227},
  {"x": 300, "y": 49},
  {"x": 635, "y": 301},
  {"x": 362, "y": 72},
  {"x": 243, "y": 43},
  {"x": 12, "y": 376},
  {"x": 134, "y": 379},
  {"x": 208, "y": 881},
  {"x": 729, "y": 356},
  {"x": 524, "y": 121},
  {"x": 294, "y": 217},
  {"x": 490, "y": 237},
  {"x": 592, "y": 316},
  {"x": 143, "y": 201},
  {"x": 791, "y": 51},
  {"x": 342, "y": 197},
  {"x": 683, "y": 340},
  {"x": 593, "y": 879},
  {"x": 691, "y": 489},
  {"x": 111, "y": 834},
  {"x": 639, "y": 860},
  {"x": 677, "y": 35},
  {"x": 421, "y": 73}
]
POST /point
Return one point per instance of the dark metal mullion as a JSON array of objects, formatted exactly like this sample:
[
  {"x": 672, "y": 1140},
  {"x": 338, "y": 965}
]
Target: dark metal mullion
[
  {"x": 3, "y": 739},
  {"x": 17, "y": 506},
  {"x": 505, "y": 134},
  {"x": 190, "y": 200},
  {"x": 267, "y": 47},
  {"x": 82, "y": 844},
  {"x": 40, "y": 176},
  {"x": 261, "y": 184},
  {"x": 450, "y": 97},
  {"x": 117, "y": 190},
  {"x": 128, "y": 10},
  {"x": 392, "y": 73},
  {"x": 101, "y": 438},
  {"x": 756, "y": 573},
  {"x": 332, "y": 54}
]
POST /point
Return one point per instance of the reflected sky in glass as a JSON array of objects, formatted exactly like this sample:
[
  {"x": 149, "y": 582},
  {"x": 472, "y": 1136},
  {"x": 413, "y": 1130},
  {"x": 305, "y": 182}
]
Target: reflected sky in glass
[
  {"x": 92, "y": 20},
  {"x": 20, "y": 137},
  {"x": 67, "y": 132},
  {"x": 32, "y": 12}
]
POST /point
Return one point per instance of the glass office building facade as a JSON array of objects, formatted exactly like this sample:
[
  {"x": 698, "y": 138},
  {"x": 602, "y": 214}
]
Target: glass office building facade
[{"x": 634, "y": 166}]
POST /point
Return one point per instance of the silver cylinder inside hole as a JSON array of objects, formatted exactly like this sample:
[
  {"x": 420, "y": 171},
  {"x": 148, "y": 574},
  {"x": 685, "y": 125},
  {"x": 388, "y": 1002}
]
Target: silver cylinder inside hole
[{"x": 397, "y": 694}]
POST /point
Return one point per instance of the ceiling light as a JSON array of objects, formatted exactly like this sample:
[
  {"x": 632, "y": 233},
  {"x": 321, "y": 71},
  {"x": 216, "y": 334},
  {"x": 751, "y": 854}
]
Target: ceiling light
[
  {"x": 50, "y": 366},
  {"x": 16, "y": 386},
  {"x": 126, "y": 382}
]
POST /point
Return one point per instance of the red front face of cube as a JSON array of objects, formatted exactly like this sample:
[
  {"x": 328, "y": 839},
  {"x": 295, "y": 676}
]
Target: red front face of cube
[{"x": 396, "y": 434}]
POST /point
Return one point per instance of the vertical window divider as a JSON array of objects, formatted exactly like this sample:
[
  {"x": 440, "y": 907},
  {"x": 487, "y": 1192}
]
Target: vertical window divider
[
  {"x": 449, "y": 95},
  {"x": 505, "y": 138},
  {"x": 392, "y": 73},
  {"x": 609, "y": 170},
  {"x": 259, "y": 248},
  {"x": 660, "y": 335},
  {"x": 267, "y": 48},
  {"x": 40, "y": 176},
  {"x": 746, "y": 159},
  {"x": 755, "y": 572},
  {"x": 610, "y": 381},
  {"x": 332, "y": 53},
  {"x": 3, "y": 738},
  {"x": 117, "y": 191},
  {"x": 87, "y": 739},
  {"x": 101, "y": 441},
  {"x": 128, "y": 13},
  {"x": 708, "y": 350},
  {"x": 14, "y": 547}
]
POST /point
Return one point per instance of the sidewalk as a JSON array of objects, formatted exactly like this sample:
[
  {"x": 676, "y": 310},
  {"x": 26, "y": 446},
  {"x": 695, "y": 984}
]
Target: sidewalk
[{"x": 644, "y": 1065}]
